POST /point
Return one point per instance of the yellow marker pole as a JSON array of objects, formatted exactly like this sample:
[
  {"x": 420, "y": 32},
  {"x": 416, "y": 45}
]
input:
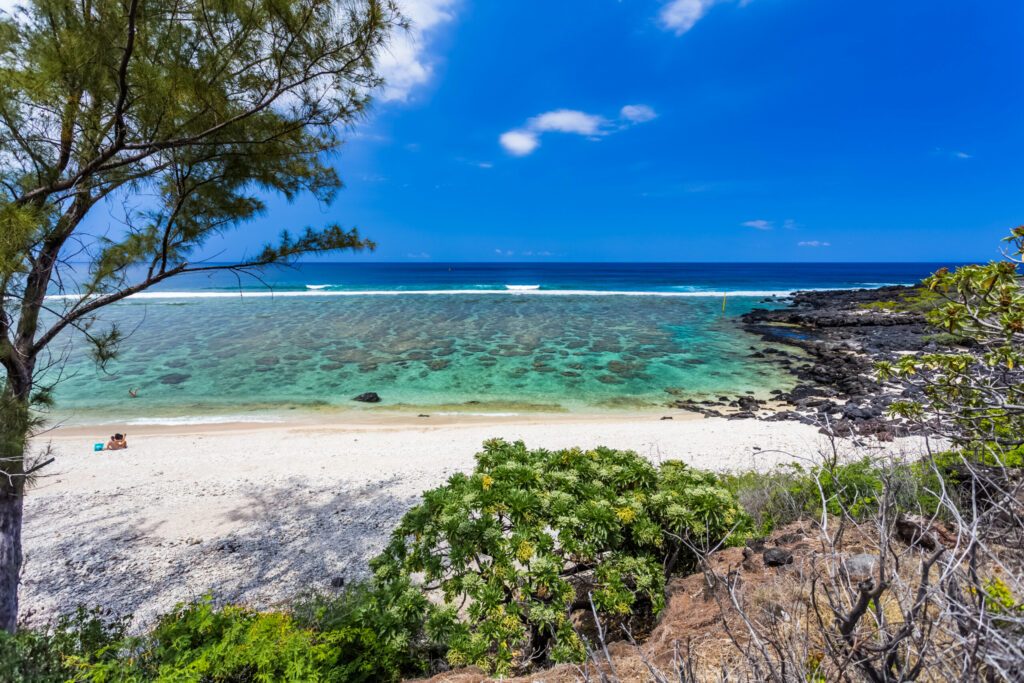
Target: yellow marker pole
[{"x": 724, "y": 295}]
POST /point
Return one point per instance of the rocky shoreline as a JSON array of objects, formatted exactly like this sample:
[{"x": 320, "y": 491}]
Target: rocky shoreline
[{"x": 829, "y": 341}]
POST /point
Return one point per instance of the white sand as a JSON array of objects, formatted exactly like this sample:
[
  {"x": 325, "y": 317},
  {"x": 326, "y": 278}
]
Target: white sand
[{"x": 260, "y": 513}]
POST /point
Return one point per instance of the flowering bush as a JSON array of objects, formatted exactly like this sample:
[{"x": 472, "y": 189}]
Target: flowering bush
[{"x": 529, "y": 537}]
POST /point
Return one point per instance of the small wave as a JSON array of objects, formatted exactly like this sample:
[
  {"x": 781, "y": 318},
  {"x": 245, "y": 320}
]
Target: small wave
[
  {"x": 463, "y": 414},
  {"x": 317, "y": 288},
  {"x": 265, "y": 294},
  {"x": 522, "y": 288},
  {"x": 198, "y": 420}
]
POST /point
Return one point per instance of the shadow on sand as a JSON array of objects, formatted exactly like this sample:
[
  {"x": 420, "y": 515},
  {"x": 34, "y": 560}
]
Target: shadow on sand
[{"x": 283, "y": 541}]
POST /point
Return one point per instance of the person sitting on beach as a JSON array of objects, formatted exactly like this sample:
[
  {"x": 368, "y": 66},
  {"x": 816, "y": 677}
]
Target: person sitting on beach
[{"x": 117, "y": 442}]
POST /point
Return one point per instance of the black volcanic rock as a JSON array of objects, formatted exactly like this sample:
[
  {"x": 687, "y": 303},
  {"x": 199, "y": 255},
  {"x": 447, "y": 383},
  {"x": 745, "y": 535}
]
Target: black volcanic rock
[
  {"x": 368, "y": 397},
  {"x": 748, "y": 403},
  {"x": 841, "y": 336},
  {"x": 777, "y": 557}
]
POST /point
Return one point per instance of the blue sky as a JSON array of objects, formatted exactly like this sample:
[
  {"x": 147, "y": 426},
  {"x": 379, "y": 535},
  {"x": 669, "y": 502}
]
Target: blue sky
[{"x": 688, "y": 130}]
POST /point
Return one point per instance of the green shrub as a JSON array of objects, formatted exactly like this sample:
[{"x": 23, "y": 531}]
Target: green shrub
[
  {"x": 851, "y": 487},
  {"x": 368, "y": 633},
  {"x": 791, "y": 491},
  {"x": 1013, "y": 457},
  {"x": 83, "y": 638},
  {"x": 999, "y": 598},
  {"x": 378, "y": 628},
  {"x": 200, "y": 643},
  {"x": 30, "y": 657},
  {"x": 529, "y": 536},
  {"x": 917, "y": 300},
  {"x": 768, "y": 497}
]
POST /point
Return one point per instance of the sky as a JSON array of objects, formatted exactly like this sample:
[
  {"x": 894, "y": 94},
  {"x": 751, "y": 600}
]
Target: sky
[{"x": 686, "y": 130}]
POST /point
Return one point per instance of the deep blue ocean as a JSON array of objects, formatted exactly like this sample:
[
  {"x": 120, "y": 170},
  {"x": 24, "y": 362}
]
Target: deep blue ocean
[
  {"x": 488, "y": 338},
  {"x": 757, "y": 278}
]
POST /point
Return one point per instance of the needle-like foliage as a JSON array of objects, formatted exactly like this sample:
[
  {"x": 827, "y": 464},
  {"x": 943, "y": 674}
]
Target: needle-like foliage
[{"x": 173, "y": 120}]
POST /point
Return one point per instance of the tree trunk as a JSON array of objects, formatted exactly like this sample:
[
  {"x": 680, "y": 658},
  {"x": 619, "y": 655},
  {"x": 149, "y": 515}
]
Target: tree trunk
[
  {"x": 10, "y": 557},
  {"x": 14, "y": 426}
]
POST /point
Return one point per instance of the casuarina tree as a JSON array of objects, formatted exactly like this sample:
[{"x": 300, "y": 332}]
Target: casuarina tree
[{"x": 177, "y": 117}]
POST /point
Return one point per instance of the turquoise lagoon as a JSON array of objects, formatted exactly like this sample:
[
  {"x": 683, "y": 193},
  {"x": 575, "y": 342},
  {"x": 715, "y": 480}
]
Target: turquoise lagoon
[
  {"x": 195, "y": 359},
  {"x": 432, "y": 337}
]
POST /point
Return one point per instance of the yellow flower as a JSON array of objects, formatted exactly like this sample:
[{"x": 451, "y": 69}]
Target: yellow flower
[
  {"x": 487, "y": 481},
  {"x": 525, "y": 551},
  {"x": 626, "y": 514}
]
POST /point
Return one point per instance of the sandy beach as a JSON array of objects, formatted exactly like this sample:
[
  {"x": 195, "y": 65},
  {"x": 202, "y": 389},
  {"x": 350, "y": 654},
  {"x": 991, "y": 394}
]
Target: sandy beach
[{"x": 258, "y": 513}]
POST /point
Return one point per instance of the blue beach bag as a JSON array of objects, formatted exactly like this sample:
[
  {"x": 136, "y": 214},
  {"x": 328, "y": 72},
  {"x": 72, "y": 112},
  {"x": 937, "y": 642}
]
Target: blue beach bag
[{"x": 97, "y": 447}]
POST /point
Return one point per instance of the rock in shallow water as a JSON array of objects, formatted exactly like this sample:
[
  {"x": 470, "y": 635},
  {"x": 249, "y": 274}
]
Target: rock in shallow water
[{"x": 368, "y": 397}]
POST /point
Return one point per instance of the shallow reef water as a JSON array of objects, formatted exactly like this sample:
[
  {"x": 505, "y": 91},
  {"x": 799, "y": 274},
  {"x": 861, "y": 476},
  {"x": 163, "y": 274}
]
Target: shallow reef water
[{"x": 468, "y": 352}]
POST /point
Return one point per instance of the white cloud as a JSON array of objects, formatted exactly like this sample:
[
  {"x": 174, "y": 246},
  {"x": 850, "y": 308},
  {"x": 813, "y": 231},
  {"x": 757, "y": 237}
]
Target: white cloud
[
  {"x": 405, "y": 63},
  {"x": 790, "y": 224},
  {"x": 522, "y": 141},
  {"x": 485, "y": 164},
  {"x": 679, "y": 16},
  {"x": 567, "y": 121},
  {"x": 504, "y": 252},
  {"x": 638, "y": 113},
  {"x": 758, "y": 224},
  {"x": 519, "y": 142},
  {"x": 814, "y": 244},
  {"x": 360, "y": 134},
  {"x": 421, "y": 254},
  {"x": 952, "y": 153}
]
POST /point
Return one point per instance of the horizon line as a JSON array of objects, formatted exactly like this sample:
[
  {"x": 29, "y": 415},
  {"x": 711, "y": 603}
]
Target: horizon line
[{"x": 551, "y": 262}]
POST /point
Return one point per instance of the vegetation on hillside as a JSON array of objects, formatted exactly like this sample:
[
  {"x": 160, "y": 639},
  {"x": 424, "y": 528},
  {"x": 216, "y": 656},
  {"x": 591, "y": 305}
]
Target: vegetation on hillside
[{"x": 917, "y": 300}]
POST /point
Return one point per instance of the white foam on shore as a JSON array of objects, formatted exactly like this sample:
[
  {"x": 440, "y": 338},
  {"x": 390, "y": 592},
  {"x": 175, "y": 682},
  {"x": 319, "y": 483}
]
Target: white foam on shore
[
  {"x": 197, "y": 420},
  {"x": 460, "y": 413},
  {"x": 264, "y": 294},
  {"x": 522, "y": 288}
]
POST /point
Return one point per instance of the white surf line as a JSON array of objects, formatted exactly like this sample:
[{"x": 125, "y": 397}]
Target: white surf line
[{"x": 258, "y": 294}]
